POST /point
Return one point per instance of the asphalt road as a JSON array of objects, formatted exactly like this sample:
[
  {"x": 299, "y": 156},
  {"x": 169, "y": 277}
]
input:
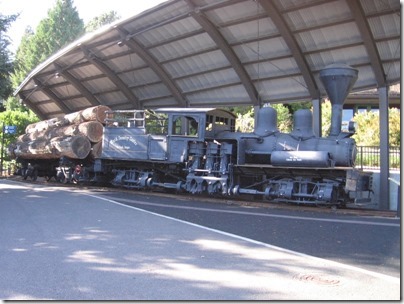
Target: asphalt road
[
  {"x": 367, "y": 241},
  {"x": 70, "y": 244}
]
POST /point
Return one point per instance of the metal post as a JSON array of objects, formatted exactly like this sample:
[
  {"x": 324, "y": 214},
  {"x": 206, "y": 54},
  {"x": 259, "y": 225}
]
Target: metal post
[
  {"x": 384, "y": 198},
  {"x": 316, "y": 116},
  {"x": 2, "y": 149}
]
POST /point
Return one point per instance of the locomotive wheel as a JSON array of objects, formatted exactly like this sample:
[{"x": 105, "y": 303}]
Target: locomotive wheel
[
  {"x": 61, "y": 178},
  {"x": 34, "y": 175},
  {"x": 24, "y": 174}
]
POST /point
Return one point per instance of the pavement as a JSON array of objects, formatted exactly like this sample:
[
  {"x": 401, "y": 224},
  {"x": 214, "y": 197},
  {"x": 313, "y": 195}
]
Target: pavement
[{"x": 72, "y": 244}]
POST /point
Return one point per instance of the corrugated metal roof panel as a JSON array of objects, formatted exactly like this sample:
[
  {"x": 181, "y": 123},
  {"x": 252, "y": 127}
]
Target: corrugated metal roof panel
[
  {"x": 140, "y": 77},
  {"x": 66, "y": 89},
  {"x": 290, "y": 4},
  {"x": 151, "y": 91},
  {"x": 250, "y": 30},
  {"x": 264, "y": 49},
  {"x": 208, "y": 80},
  {"x": 371, "y": 7},
  {"x": 385, "y": 26},
  {"x": 390, "y": 49},
  {"x": 49, "y": 107},
  {"x": 234, "y": 12},
  {"x": 77, "y": 104},
  {"x": 234, "y": 94},
  {"x": 100, "y": 85},
  {"x": 329, "y": 37},
  {"x": 167, "y": 32},
  {"x": 158, "y": 102},
  {"x": 112, "y": 98},
  {"x": 320, "y": 15},
  {"x": 276, "y": 89},
  {"x": 273, "y": 68},
  {"x": 184, "y": 47},
  {"x": 196, "y": 64},
  {"x": 220, "y": 52},
  {"x": 128, "y": 61},
  {"x": 355, "y": 55}
]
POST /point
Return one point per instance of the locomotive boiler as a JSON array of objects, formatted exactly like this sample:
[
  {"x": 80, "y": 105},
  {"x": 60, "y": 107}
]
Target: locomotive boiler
[{"x": 198, "y": 150}]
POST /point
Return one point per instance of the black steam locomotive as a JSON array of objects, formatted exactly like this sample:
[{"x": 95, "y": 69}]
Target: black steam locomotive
[{"x": 197, "y": 150}]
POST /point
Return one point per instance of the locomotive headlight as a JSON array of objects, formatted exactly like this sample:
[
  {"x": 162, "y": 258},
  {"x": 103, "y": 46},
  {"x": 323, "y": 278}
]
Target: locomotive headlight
[{"x": 352, "y": 127}]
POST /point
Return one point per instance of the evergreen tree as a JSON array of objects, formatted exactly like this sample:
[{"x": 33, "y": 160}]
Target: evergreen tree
[
  {"x": 6, "y": 64},
  {"x": 100, "y": 21},
  {"x": 62, "y": 26}
]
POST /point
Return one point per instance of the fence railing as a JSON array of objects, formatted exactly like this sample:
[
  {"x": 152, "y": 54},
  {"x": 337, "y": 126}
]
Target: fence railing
[{"x": 368, "y": 157}]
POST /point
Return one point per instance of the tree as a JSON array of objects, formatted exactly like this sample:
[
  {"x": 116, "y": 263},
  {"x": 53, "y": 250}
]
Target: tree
[
  {"x": 6, "y": 65},
  {"x": 18, "y": 119},
  {"x": 394, "y": 127},
  {"x": 100, "y": 21},
  {"x": 326, "y": 109},
  {"x": 368, "y": 132},
  {"x": 284, "y": 117},
  {"x": 62, "y": 26}
]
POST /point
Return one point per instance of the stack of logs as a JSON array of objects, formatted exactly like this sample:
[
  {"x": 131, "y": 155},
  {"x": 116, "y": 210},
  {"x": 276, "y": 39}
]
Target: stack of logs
[{"x": 76, "y": 135}]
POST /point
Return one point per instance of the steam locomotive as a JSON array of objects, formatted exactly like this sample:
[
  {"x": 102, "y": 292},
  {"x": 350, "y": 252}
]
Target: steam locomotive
[{"x": 198, "y": 150}]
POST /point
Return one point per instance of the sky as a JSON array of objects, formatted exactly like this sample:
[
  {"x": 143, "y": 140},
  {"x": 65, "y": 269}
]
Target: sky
[{"x": 32, "y": 12}]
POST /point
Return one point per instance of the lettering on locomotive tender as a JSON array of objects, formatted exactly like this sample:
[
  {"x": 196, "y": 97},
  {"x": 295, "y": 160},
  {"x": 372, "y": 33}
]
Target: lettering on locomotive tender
[{"x": 123, "y": 142}]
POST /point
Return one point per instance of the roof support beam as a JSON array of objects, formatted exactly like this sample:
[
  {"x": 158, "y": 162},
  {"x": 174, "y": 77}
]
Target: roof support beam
[
  {"x": 369, "y": 42},
  {"x": 290, "y": 40},
  {"x": 77, "y": 84},
  {"x": 154, "y": 65},
  {"x": 111, "y": 75},
  {"x": 48, "y": 92},
  {"x": 34, "y": 108},
  {"x": 228, "y": 52}
]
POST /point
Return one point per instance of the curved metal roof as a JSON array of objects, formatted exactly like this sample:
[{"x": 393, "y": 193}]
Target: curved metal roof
[{"x": 209, "y": 53}]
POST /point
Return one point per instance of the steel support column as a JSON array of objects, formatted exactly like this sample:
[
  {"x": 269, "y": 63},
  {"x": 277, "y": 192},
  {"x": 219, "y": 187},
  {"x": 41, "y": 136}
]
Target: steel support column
[
  {"x": 384, "y": 198},
  {"x": 316, "y": 116}
]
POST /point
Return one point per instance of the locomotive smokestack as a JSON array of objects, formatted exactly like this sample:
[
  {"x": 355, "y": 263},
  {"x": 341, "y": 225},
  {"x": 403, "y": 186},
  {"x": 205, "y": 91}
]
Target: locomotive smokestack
[{"x": 338, "y": 80}]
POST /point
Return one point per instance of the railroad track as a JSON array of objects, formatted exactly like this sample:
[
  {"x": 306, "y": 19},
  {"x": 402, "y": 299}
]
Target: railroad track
[{"x": 351, "y": 210}]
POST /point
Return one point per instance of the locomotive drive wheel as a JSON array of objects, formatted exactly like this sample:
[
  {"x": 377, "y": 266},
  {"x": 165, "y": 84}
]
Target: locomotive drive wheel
[{"x": 34, "y": 175}]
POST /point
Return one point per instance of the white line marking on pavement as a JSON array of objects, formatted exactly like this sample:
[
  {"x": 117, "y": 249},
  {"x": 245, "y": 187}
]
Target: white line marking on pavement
[
  {"x": 337, "y": 264},
  {"x": 263, "y": 214}
]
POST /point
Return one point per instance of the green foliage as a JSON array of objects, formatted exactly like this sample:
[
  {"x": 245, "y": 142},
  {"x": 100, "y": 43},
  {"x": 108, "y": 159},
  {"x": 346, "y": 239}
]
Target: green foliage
[
  {"x": 368, "y": 132},
  {"x": 394, "y": 127},
  {"x": 25, "y": 60},
  {"x": 100, "y": 21},
  {"x": 62, "y": 26},
  {"x": 6, "y": 64},
  {"x": 285, "y": 122},
  {"x": 15, "y": 118},
  {"x": 368, "y": 128},
  {"x": 326, "y": 109},
  {"x": 245, "y": 119},
  {"x": 294, "y": 106}
]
